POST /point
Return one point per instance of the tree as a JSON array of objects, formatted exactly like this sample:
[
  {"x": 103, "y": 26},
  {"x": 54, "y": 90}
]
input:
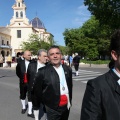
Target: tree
[
  {"x": 34, "y": 43},
  {"x": 64, "y": 50},
  {"x": 106, "y": 11},
  {"x": 91, "y": 40}
]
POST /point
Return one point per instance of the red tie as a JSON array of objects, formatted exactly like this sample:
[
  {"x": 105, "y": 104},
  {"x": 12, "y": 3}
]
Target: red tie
[{"x": 25, "y": 78}]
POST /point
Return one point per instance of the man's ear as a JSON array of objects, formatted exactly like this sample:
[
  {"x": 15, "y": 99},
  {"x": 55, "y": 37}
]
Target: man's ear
[{"x": 114, "y": 55}]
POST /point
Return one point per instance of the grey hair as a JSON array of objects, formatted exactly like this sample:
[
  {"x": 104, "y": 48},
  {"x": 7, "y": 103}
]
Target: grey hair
[{"x": 40, "y": 51}]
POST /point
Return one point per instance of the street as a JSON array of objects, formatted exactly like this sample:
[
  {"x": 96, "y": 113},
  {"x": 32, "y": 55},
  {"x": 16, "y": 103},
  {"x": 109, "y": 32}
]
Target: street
[{"x": 10, "y": 105}]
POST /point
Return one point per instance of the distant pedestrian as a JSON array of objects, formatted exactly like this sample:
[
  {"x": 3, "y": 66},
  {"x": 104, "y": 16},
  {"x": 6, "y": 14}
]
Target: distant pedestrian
[
  {"x": 76, "y": 62},
  {"x": 9, "y": 60},
  {"x": 70, "y": 59},
  {"x": 20, "y": 58},
  {"x": 1, "y": 60},
  {"x": 102, "y": 95}
]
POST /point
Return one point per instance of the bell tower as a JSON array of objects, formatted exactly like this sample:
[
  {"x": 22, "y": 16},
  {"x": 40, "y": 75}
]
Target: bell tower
[{"x": 19, "y": 13}]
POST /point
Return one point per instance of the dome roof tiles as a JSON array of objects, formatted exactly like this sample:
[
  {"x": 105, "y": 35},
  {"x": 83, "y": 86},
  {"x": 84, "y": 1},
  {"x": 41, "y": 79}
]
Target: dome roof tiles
[{"x": 37, "y": 23}]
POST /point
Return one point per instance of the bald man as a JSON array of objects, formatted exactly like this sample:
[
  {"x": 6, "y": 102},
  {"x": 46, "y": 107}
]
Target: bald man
[{"x": 21, "y": 72}]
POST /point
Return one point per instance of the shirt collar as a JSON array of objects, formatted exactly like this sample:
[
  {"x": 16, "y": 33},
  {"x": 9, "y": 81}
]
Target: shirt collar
[
  {"x": 40, "y": 64},
  {"x": 118, "y": 74}
]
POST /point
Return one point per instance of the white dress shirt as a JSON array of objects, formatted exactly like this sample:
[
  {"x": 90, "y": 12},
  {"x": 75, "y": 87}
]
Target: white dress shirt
[
  {"x": 39, "y": 65},
  {"x": 26, "y": 64},
  {"x": 63, "y": 83},
  {"x": 118, "y": 74}
]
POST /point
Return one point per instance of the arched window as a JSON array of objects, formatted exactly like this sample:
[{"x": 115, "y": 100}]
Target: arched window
[
  {"x": 18, "y": 4},
  {"x": 7, "y": 42},
  {"x": 21, "y": 14},
  {"x": 8, "y": 53},
  {"x": 2, "y": 42},
  {"x": 17, "y": 14},
  {"x": 3, "y": 53}
]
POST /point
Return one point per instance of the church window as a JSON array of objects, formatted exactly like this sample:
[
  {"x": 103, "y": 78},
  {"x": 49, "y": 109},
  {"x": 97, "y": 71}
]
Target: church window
[
  {"x": 17, "y": 14},
  {"x": 8, "y": 53},
  {"x": 18, "y": 4},
  {"x": 21, "y": 14},
  {"x": 2, "y": 42},
  {"x": 18, "y": 33},
  {"x": 7, "y": 42}
]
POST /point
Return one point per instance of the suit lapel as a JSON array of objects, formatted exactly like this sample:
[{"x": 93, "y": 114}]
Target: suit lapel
[
  {"x": 117, "y": 89},
  {"x": 112, "y": 81},
  {"x": 23, "y": 66},
  {"x": 36, "y": 67}
]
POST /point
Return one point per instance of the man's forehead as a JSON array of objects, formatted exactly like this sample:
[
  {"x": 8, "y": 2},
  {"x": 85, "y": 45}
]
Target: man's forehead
[{"x": 54, "y": 50}]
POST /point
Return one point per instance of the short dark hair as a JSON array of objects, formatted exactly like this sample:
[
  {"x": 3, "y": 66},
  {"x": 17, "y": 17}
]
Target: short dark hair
[
  {"x": 115, "y": 45},
  {"x": 21, "y": 53},
  {"x": 115, "y": 42},
  {"x": 51, "y": 47}
]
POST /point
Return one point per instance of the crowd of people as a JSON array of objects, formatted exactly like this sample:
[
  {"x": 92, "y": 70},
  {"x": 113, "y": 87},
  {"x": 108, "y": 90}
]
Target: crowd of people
[{"x": 48, "y": 83}]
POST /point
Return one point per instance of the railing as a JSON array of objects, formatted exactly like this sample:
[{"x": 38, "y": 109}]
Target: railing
[{"x": 6, "y": 46}]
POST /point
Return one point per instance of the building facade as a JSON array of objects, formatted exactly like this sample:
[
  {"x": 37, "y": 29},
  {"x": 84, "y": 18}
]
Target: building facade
[
  {"x": 5, "y": 41},
  {"x": 20, "y": 28}
]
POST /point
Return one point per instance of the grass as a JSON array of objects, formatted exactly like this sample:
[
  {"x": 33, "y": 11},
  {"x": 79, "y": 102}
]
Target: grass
[{"x": 95, "y": 62}]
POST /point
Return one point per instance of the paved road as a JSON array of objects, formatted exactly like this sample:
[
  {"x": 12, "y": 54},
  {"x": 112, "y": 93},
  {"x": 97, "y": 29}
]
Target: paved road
[
  {"x": 87, "y": 74},
  {"x": 10, "y": 106}
]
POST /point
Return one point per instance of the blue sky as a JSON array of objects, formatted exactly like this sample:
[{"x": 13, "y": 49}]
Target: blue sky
[{"x": 57, "y": 15}]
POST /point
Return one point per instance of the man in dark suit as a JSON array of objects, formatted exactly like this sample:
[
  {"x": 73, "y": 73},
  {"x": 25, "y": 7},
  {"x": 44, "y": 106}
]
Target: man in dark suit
[
  {"x": 33, "y": 69},
  {"x": 76, "y": 62},
  {"x": 53, "y": 87},
  {"x": 21, "y": 71},
  {"x": 20, "y": 58},
  {"x": 102, "y": 96}
]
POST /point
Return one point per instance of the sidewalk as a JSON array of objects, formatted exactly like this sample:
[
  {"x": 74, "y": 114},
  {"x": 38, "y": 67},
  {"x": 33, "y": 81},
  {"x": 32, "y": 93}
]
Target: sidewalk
[
  {"x": 94, "y": 65},
  {"x": 13, "y": 66}
]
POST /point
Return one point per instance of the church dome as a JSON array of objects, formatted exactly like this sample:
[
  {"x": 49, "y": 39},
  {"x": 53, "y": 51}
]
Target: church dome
[{"x": 37, "y": 23}]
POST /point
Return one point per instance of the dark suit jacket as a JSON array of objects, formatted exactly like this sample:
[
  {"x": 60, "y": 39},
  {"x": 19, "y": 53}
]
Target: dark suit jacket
[
  {"x": 76, "y": 60},
  {"x": 102, "y": 98},
  {"x": 19, "y": 59},
  {"x": 20, "y": 70},
  {"x": 47, "y": 86},
  {"x": 31, "y": 72}
]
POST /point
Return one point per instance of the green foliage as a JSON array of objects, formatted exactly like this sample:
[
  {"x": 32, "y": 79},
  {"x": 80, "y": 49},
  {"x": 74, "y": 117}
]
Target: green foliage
[
  {"x": 91, "y": 40},
  {"x": 34, "y": 43},
  {"x": 64, "y": 50},
  {"x": 95, "y": 62},
  {"x": 106, "y": 11}
]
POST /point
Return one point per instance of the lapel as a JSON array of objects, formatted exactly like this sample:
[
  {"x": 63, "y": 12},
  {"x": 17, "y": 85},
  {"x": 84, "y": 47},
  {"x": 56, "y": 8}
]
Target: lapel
[
  {"x": 112, "y": 81},
  {"x": 23, "y": 66},
  {"x": 55, "y": 76},
  {"x": 117, "y": 89},
  {"x": 36, "y": 67}
]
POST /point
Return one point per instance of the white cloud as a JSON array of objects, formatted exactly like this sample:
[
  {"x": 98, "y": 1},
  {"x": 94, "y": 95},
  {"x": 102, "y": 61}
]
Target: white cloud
[
  {"x": 82, "y": 15},
  {"x": 82, "y": 10},
  {"x": 80, "y": 20}
]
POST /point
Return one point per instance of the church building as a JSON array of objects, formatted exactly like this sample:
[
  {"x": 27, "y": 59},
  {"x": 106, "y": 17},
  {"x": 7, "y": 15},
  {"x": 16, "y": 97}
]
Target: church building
[{"x": 19, "y": 30}]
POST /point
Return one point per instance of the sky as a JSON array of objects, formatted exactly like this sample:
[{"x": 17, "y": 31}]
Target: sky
[{"x": 57, "y": 15}]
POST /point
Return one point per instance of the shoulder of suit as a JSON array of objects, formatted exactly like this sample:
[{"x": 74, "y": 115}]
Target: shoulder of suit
[
  {"x": 33, "y": 62},
  {"x": 67, "y": 67},
  {"x": 99, "y": 81}
]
